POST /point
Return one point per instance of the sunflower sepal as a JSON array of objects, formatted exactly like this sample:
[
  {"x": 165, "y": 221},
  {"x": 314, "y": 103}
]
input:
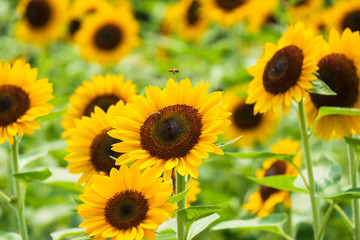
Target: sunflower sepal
[
  {"x": 272, "y": 223},
  {"x": 320, "y": 87}
]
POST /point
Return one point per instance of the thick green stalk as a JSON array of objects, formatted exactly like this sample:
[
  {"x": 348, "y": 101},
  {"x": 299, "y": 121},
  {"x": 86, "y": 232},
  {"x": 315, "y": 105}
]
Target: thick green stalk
[
  {"x": 353, "y": 165},
  {"x": 20, "y": 194},
  {"x": 312, "y": 191},
  {"x": 326, "y": 218},
  {"x": 180, "y": 187}
]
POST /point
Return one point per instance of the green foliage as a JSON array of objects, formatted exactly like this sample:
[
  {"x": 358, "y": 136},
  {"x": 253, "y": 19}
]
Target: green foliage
[
  {"x": 348, "y": 194},
  {"x": 355, "y": 143},
  {"x": 51, "y": 116},
  {"x": 282, "y": 182},
  {"x": 178, "y": 197},
  {"x": 200, "y": 225},
  {"x": 271, "y": 223},
  {"x": 67, "y": 233},
  {"x": 320, "y": 87},
  {"x": 225, "y": 144},
  {"x": 326, "y": 173},
  {"x": 9, "y": 236},
  {"x": 27, "y": 177}
]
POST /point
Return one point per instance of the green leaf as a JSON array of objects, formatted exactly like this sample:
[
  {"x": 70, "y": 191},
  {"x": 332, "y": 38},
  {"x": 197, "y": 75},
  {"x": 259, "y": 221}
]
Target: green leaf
[
  {"x": 67, "y": 185},
  {"x": 54, "y": 114},
  {"x": 225, "y": 144},
  {"x": 283, "y": 182},
  {"x": 320, "y": 87},
  {"x": 348, "y": 194},
  {"x": 27, "y": 177},
  {"x": 191, "y": 214},
  {"x": 326, "y": 173},
  {"x": 271, "y": 223},
  {"x": 178, "y": 197},
  {"x": 355, "y": 143},
  {"x": 166, "y": 237},
  {"x": 58, "y": 235},
  {"x": 200, "y": 225},
  {"x": 254, "y": 155},
  {"x": 325, "y": 111},
  {"x": 9, "y": 236}
]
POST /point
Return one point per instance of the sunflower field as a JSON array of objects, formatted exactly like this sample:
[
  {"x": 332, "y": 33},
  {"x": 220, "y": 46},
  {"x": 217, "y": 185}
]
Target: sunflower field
[{"x": 179, "y": 119}]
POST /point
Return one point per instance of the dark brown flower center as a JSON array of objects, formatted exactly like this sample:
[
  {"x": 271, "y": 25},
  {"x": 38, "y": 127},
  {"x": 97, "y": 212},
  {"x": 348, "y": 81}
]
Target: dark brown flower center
[
  {"x": 108, "y": 37},
  {"x": 74, "y": 26},
  {"x": 193, "y": 13},
  {"x": 14, "y": 102},
  {"x": 229, "y": 5},
  {"x": 301, "y": 3},
  {"x": 100, "y": 152},
  {"x": 103, "y": 102},
  {"x": 244, "y": 117},
  {"x": 277, "y": 168},
  {"x": 38, "y": 13},
  {"x": 283, "y": 70},
  {"x": 126, "y": 209},
  {"x": 352, "y": 21},
  {"x": 171, "y": 132},
  {"x": 339, "y": 73}
]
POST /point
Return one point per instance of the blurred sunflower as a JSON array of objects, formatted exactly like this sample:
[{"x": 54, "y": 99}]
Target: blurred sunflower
[
  {"x": 194, "y": 190},
  {"x": 266, "y": 198},
  {"x": 227, "y": 12},
  {"x": 174, "y": 127},
  {"x": 263, "y": 15},
  {"x": 106, "y": 38},
  {"x": 188, "y": 18},
  {"x": 318, "y": 21},
  {"x": 102, "y": 92},
  {"x": 345, "y": 14},
  {"x": 339, "y": 68},
  {"x": 90, "y": 145},
  {"x": 300, "y": 9},
  {"x": 126, "y": 205},
  {"x": 253, "y": 128},
  {"x": 285, "y": 71},
  {"x": 22, "y": 99},
  {"x": 41, "y": 21},
  {"x": 81, "y": 9}
]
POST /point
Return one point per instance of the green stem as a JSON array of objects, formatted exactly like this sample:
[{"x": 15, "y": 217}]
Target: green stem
[
  {"x": 3, "y": 196},
  {"x": 289, "y": 223},
  {"x": 343, "y": 215},
  {"x": 180, "y": 187},
  {"x": 353, "y": 164},
  {"x": 20, "y": 193},
  {"x": 312, "y": 191},
  {"x": 326, "y": 217}
]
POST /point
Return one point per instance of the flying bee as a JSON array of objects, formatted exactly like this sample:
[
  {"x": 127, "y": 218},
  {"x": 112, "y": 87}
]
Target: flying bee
[{"x": 173, "y": 71}]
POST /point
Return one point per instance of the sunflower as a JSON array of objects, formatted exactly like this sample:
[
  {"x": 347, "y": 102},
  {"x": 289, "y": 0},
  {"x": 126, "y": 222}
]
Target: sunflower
[
  {"x": 90, "y": 145},
  {"x": 41, "y": 21},
  {"x": 253, "y": 128},
  {"x": 263, "y": 15},
  {"x": 127, "y": 204},
  {"x": 174, "y": 127},
  {"x": 22, "y": 99},
  {"x": 339, "y": 68},
  {"x": 227, "y": 12},
  {"x": 345, "y": 14},
  {"x": 193, "y": 191},
  {"x": 188, "y": 18},
  {"x": 265, "y": 198},
  {"x": 285, "y": 71},
  {"x": 318, "y": 21},
  {"x": 106, "y": 38},
  {"x": 81, "y": 9},
  {"x": 303, "y": 8},
  {"x": 101, "y": 91}
]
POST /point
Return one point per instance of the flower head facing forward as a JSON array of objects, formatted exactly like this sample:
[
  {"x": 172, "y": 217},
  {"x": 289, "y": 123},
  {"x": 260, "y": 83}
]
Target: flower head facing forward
[
  {"x": 285, "y": 71},
  {"x": 174, "y": 127},
  {"x": 127, "y": 204},
  {"x": 102, "y": 91},
  {"x": 339, "y": 68},
  {"x": 22, "y": 99},
  {"x": 266, "y": 198},
  {"x": 90, "y": 146}
]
